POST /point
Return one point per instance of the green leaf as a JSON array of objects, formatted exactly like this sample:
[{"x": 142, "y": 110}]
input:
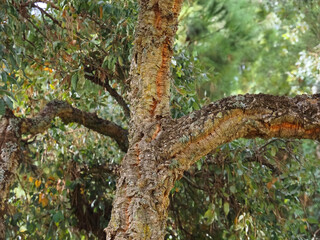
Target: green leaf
[
  {"x": 302, "y": 229},
  {"x": 233, "y": 189},
  {"x": 8, "y": 102},
  {"x": 31, "y": 227},
  {"x": 4, "y": 77},
  {"x": 199, "y": 165},
  {"x": 57, "y": 217},
  {"x": 209, "y": 216},
  {"x": 2, "y": 107},
  {"x": 105, "y": 61},
  {"x": 120, "y": 60},
  {"x": 226, "y": 208},
  {"x": 7, "y": 93},
  {"x": 74, "y": 81},
  {"x": 312, "y": 220},
  {"x": 273, "y": 151}
]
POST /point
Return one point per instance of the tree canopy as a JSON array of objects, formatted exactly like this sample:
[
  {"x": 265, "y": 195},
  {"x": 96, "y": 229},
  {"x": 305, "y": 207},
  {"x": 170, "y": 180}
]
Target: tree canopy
[{"x": 70, "y": 77}]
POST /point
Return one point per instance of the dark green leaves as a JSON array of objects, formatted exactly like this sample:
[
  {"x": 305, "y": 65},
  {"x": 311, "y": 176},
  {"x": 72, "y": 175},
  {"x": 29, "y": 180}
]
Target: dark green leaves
[
  {"x": 57, "y": 217},
  {"x": 74, "y": 81}
]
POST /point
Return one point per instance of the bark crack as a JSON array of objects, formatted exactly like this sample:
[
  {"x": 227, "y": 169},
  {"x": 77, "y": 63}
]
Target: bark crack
[{"x": 161, "y": 80}]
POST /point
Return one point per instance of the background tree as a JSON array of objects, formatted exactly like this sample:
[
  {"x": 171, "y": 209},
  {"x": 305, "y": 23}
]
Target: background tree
[{"x": 80, "y": 53}]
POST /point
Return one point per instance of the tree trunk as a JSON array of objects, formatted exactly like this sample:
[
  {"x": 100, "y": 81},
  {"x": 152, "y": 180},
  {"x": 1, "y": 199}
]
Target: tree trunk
[
  {"x": 141, "y": 202},
  {"x": 159, "y": 148},
  {"x": 9, "y": 158}
]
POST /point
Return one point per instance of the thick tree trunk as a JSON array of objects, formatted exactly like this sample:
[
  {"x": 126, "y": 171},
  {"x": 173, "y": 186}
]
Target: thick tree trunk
[
  {"x": 9, "y": 158},
  {"x": 158, "y": 148},
  {"x": 141, "y": 202}
]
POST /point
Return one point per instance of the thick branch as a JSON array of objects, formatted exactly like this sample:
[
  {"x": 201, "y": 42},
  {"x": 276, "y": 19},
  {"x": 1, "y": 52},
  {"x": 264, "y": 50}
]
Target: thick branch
[
  {"x": 242, "y": 116},
  {"x": 69, "y": 114}
]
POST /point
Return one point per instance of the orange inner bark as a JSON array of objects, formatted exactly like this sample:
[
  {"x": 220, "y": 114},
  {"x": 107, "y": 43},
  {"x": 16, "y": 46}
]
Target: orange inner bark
[
  {"x": 161, "y": 75},
  {"x": 238, "y": 113},
  {"x": 155, "y": 134},
  {"x": 176, "y": 7}
]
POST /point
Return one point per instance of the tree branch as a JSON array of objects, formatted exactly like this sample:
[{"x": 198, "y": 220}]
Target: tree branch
[
  {"x": 47, "y": 14},
  {"x": 242, "y": 116},
  {"x": 69, "y": 114},
  {"x": 105, "y": 84}
]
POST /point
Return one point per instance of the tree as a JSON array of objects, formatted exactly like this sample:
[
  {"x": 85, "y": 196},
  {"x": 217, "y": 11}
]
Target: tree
[{"x": 158, "y": 148}]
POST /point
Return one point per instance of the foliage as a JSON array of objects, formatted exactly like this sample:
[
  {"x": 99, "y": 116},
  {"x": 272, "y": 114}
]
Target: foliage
[
  {"x": 79, "y": 51},
  {"x": 249, "y": 190},
  {"x": 49, "y": 50}
]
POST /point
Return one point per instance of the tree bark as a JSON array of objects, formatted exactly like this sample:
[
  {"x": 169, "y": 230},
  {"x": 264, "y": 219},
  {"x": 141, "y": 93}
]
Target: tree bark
[
  {"x": 141, "y": 201},
  {"x": 68, "y": 114},
  {"x": 159, "y": 149},
  {"x": 10, "y": 136},
  {"x": 242, "y": 116}
]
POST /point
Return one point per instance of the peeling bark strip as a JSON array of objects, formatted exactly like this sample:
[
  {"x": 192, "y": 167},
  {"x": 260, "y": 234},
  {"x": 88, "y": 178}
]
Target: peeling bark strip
[
  {"x": 242, "y": 116},
  {"x": 69, "y": 114},
  {"x": 167, "y": 148},
  {"x": 141, "y": 201},
  {"x": 150, "y": 68},
  {"x": 9, "y": 158}
]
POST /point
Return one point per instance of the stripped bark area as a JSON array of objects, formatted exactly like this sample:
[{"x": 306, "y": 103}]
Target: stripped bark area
[
  {"x": 168, "y": 147},
  {"x": 150, "y": 68},
  {"x": 242, "y": 116},
  {"x": 159, "y": 149},
  {"x": 10, "y": 155}
]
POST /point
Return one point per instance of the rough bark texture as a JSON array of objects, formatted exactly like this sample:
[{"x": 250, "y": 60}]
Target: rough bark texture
[
  {"x": 159, "y": 148},
  {"x": 141, "y": 201},
  {"x": 10, "y": 136},
  {"x": 242, "y": 116},
  {"x": 150, "y": 67}
]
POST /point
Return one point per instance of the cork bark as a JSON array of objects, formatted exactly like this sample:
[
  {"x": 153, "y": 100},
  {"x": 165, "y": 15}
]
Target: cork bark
[
  {"x": 141, "y": 201},
  {"x": 161, "y": 149},
  {"x": 10, "y": 136},
  {"x": 158, "y": 148}
]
